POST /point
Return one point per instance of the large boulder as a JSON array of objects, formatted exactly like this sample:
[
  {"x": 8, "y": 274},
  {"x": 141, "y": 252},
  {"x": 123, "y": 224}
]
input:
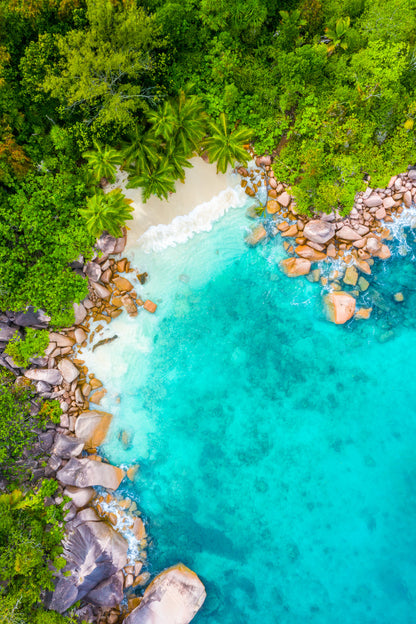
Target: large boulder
[
  {"x": 89, "y": 472},
  {"x": 94, "y": 552},
  {"x": 108, "y": 593},
  {"x": 67, "y": 447},
  {"x": 319, "y": 231},
  {"x": 32, "y": 318},
  {"x": 348, "y": 234},
  {"x": 304, "y": 251},
  {"x": 80, "y": 313},
  {"x": 68, "y": 369},
  {"x": 79, "y": 496},
  {"x": 91, "y": 427},
  {"x": 294, "y": 267},
  {"x": 340, "y": 306},
  {"x": 110, "y": 245},
  {"x": 173, "y": 597},
  {"x": 7, "y": 332},
  {"x": 50, "y": 375},
  {"x": 257, "y": 235}
]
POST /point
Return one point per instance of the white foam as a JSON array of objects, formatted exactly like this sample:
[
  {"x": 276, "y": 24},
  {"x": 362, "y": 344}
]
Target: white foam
[{"x": 200, "y": 219}]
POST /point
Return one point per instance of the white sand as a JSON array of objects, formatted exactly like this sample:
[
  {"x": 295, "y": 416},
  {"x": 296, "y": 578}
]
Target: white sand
[{"x": 202, "y": 183}]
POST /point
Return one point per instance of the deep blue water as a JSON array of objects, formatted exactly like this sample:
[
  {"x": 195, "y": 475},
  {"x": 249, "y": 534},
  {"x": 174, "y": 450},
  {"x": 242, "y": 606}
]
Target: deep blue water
[{"x": 277, "y": 451}]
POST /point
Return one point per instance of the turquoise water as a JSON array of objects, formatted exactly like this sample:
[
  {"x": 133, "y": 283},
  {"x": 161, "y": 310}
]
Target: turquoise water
[{"x": 277, "y": 451}]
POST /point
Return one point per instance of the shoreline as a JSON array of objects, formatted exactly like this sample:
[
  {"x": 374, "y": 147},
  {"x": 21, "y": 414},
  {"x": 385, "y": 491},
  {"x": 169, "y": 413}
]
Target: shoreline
[{"x": 83, "y": 421}]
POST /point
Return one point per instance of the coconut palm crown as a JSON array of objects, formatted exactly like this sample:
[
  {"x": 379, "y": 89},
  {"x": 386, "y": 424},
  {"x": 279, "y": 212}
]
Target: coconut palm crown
[
  {"x": 227, "y": 146},
  {"x": 107, "y": 212},
  {"x": 102, "y": 161}
]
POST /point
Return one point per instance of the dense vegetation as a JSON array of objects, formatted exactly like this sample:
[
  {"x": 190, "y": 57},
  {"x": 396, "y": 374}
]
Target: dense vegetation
[{"x": 327, "y": 86}]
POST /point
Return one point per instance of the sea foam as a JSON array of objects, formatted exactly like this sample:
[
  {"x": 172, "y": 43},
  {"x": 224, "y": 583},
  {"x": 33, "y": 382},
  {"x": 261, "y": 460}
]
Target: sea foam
[{"x": 200, "y": 219}]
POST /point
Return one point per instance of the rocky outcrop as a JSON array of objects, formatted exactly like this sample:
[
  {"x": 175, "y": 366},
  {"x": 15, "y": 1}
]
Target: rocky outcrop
[
  {"x": 257, "y": 235},
  {"x": 340, "y": 307},
  {"x": 49, "y": 375},
  {"x": 94, "y": 552},
  {"x": 89, "y": 472},
  {"x": 108, "y": 593},
  {"x": 67, "y": 447},
  {"x": 173, "y": 597},
  {"x": 68, "y": 370}
]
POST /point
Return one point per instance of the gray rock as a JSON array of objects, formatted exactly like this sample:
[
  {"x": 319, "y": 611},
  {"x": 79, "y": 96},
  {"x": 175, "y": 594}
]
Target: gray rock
[
  {"x": 80, "y": 313},
  {"x": 50, "y": 375},
  {"x": 107, "y": 244},
  {"x": 89, "y": 472},
  {"x": 60, "y": 340},
  {"x": 67, "y": 447},
  {"x": 68, "y": 369},
  {"x": 319, "y": 231},
  {"x": 175, "y": 595},
  {"x": 80, "y": 496},
  {"x": 108, "y": 593},
  {"x": 7, "y": 332},
  {"x": 94, "y": 552},
  {"x": 412, "y": 174},
  {"x": 93, "y": 271},
  {"x": 30, "y": 318},
  {"x": 42, "y": 387},
  {"x": 39, "y": 361}
]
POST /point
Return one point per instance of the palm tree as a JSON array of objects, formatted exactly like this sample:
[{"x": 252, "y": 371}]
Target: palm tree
[
  {"x": 160, "y": 181},
  {"x": 102, "y": 161},
  {"x": 107, "y": 212},
  {"x": 227, "y": 146},
  {"x": 141, "y": 149},
  {"x": 178, "y": 161}
]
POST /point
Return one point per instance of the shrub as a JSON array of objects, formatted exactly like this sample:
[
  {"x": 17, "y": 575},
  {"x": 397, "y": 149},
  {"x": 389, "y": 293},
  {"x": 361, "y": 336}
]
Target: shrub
[{"x": 33, "y": 345}]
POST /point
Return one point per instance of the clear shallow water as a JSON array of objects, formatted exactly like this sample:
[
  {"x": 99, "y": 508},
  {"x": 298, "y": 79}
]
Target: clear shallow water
[{"x": 277, "y": 451}]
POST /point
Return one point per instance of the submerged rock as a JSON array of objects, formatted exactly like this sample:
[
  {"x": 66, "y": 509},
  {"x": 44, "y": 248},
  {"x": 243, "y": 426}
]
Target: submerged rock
[
  {"x": 257, "y": 235},
  {"x": 294, "y": 267},
  {"x": 340, "y": 307},
  {"x": 173, "y": 597}
]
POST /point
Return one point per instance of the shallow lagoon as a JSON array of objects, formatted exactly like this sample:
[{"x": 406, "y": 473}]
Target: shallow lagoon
[{"x": 277, "y": 451}]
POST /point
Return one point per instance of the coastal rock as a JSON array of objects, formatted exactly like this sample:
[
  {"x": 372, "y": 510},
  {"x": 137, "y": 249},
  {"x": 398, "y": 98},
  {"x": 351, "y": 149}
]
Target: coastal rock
[
  {"x": 272, "y": 206},
  {"x": 91, "y": 427},
  {"x": 257, "y": 235},
  {"x": 398, "y": 297},
  {"x": 67, "y": 447},
  {"x": 80, "y": 335},
  {"x": 348, "y": 234},
  {"x": 108, "y": 593},
  {"x": 88, "y": 472},
  {"x": 101, "y": 290},
  {"x": 69, "y": 371},
  {"x": 384, "y": 252},
  {"x": 80, "y": 496},
  {"x": 149, "y": 306},
  {"x": 129, "y": 304},
  {"x": 122, "y": 284},
  {"x": 93, "y": 271},
  {"x": 266, "y": 161},
  {"x": 294, "y": 267},
  {"x": 173, "y": 597},
  {"x": 7, "y": 332},
  {"x": 340, "y": 306},
  {"x": 80, "y": 313},
  {"x": 94, "y": 552},
  {"x": 284, "y": 199},
  {"x": 363, "y": 313},
  {"x": 407, "y": 198},
  {"x": 319, "y": 231},
  {"x": 304, "y": 251},
  {"x": 388, "y": 202},
  {"x": 31, "y": 318},
  {"x": 50, "y": 375},
  {"x": 373, "y": 201},
  {"x": 373, "y": 245},
  {"x": 380, "y": 213},
  {"x": 108, "y": 244},
  {"x": 60, "y": 340}
]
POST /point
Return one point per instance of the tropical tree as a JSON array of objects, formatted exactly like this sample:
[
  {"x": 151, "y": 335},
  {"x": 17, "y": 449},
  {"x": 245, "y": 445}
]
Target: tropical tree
[
  {"x": 337, "y": 35},
  {"x": 102, "y": 161},
  {"x": 159, "y": 181},
  {"x": 107, "y": 212},
  {"x": 141, "y": 149},
  {"x": 227, "y": 146}
]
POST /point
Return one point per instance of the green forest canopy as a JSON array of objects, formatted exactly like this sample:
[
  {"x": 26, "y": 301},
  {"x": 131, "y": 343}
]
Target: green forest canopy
[{"x": 327, "y": 86}]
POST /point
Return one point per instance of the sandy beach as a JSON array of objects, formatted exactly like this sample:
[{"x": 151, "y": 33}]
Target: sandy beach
[{"x": 201, "y": 184}]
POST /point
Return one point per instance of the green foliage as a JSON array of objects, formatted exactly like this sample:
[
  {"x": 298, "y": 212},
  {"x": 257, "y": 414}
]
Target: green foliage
[
  {"x": 102, "y": 161},
  {"x": 107, "y": 212},
  {"x": 18, "y": 425},
  {"x": 159, "y": 181},
  {"x": 30, "y": 547},
  {"x": 226, "y": 146},
  {"x": 33, "y": 345},
  {"x": 41, "y": 232}
]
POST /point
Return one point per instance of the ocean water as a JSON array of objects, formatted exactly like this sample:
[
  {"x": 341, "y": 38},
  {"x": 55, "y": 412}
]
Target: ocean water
[{"x": 277, "y": 451}]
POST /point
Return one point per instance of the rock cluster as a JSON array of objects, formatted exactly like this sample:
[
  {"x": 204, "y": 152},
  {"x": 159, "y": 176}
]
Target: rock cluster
[
  {"x": 99, "y": 569},
  {"x": 356, "y": 239}
]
